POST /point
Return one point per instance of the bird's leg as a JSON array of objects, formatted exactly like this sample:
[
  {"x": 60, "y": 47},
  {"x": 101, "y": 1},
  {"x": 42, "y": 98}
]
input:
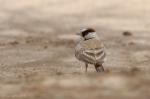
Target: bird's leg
[
  {"x": 99, "y": 68},
  {"x": 102, "y": 68},
  {"x": 86, "y": 66}
]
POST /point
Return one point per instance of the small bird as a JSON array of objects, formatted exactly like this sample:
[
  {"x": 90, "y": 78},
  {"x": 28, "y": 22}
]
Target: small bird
[{"x": 90, "y": 49}]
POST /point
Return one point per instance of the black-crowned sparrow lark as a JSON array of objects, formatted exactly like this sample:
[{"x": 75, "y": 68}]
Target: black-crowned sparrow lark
[{"x": 90, "y": 49}]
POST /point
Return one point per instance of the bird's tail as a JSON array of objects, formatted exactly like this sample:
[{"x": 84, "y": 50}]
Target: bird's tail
[{"x": 99, "y": 67}]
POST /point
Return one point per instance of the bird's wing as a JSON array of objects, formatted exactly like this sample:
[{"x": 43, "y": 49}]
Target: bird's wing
[{"x": 91, "y": 51}]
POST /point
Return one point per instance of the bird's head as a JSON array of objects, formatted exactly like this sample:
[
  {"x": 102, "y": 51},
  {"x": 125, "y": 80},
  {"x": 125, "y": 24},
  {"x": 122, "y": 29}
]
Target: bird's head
[{"x": 87, "y": 33}]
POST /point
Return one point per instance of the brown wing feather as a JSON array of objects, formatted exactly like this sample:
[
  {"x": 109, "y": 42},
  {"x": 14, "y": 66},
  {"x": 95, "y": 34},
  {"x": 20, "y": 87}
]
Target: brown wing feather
[
  {"x": 92, "y": 44},
  {"x": 91, "y": 51}
]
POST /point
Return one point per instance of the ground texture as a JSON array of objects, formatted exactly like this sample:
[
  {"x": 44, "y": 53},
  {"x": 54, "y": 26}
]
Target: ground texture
[{"x": 37, "y": 39}]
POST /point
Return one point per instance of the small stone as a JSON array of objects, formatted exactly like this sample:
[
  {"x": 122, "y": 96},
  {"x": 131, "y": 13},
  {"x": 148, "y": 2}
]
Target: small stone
[
  {"x": 45, "y": 47},
  {"x": 131, "y": 43},
  {"x": 127, "y": 33},
  {"x": 14, "y": 43}
]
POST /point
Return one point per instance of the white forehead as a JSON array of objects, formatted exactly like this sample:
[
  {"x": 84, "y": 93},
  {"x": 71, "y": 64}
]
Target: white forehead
[{"x": 82, "y": 30}]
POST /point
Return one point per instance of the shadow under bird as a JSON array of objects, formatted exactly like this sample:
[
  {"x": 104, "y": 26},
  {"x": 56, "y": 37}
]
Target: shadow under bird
[{"x": 90, "y": 49}]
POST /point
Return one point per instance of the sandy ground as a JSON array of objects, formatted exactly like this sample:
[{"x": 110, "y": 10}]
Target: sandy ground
[{"x": 37, "y": 49}]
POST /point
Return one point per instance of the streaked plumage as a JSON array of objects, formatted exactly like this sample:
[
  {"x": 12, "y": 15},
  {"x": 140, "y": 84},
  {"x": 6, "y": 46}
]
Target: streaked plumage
[{"x": 91, "y": 50}]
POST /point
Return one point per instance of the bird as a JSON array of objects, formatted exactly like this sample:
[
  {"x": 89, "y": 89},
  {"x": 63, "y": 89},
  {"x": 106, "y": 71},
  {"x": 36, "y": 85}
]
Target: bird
[{"x": 90, "y": 49}]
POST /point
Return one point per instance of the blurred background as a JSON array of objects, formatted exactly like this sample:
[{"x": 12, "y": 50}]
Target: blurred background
[{"x": 37, "y": 39}]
